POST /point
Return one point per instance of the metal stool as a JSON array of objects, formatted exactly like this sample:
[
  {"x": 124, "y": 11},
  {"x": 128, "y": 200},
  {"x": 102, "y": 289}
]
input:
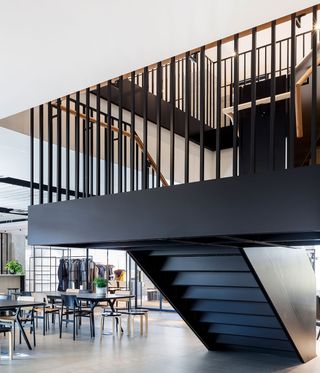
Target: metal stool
[{"x": 115, "y": 326}]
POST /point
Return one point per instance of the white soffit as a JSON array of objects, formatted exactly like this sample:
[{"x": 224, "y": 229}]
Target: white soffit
[{"x": 52, "y": 48}]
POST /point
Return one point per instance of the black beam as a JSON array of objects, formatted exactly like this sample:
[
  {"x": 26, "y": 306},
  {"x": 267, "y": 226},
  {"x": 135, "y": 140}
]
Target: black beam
[{"x": 234, "y": 206}]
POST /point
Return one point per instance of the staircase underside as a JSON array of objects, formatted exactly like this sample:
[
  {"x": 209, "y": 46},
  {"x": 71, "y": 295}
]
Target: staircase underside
[
  {"x": 231, "y": 297},
  {"x": 179, "y": 126}
]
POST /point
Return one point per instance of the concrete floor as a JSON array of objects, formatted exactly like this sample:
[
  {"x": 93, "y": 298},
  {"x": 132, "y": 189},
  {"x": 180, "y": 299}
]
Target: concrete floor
[{"x": 169, "y": 348}]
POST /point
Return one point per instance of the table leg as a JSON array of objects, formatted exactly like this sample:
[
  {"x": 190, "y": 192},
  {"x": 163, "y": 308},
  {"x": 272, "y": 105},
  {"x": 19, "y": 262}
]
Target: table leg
[
  {"x": 22, "y": 330},
  {"x": 44, "y": 319},
  {"x": 92, "y": 306}
]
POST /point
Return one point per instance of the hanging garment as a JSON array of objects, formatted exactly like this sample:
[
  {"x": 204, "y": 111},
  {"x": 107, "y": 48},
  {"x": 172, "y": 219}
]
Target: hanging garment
[{"x": 63, "y": 275}]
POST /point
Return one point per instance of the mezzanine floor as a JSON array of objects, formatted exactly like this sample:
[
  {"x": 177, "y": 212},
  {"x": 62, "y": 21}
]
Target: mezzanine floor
[{"x": 169, "y": 348}]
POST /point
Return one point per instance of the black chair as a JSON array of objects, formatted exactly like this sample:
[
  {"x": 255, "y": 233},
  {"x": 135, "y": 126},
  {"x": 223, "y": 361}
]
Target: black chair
[
  {"x": 318, "y": 315},
  {"x": 71, "y": 307}
]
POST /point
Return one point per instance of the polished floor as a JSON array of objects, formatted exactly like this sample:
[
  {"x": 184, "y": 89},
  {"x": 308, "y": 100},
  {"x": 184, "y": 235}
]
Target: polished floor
[{"x": 169, "y": 348}]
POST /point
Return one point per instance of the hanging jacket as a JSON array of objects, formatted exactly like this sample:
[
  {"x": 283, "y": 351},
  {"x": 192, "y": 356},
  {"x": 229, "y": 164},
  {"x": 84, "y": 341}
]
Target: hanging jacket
[{"x": 63, "y": 275}]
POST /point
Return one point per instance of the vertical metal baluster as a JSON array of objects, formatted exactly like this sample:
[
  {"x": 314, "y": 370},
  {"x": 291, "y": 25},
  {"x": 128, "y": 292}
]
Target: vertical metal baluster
[
  {"x": 178, "y": 85},
  {"x": 172, "y": 117},
  {"x": 83, "y": 132},
  {"x": 31, "y": 156},
  {"x": 120, "y": 124},
  {"x": 159, "y": 100},
  {"x": 77, "y": 145},
  {"x": 137, "y": 167},
  {"x": 109, "y": 139},
  {"x": 59, "y": 149},
  {"x": 292, "y": 93},
  {"x": 112, "y": 181},
  {"x": 50, "y": 157},
  {"x": 98, "y": 140},
  {"x": 145, "y": 130},
  {"x": 87, "y": 144},
  {"x": 91, "y": 133},
  {"x": 207, "y": 95},
  {"x": 258, "y": 76},
  {"x": 202, "y": 110},
  {"x": 41, "y": 154},
  {"x": 253, "y": 103},
  {"x": 187, "y": 118},
  {"x": 225, "y": 90},
  {"x": 272, "y": 95},
  {"x": 68, "y": 147},
  {"x": 106, "y": 157},
  {"x": 132, "y": 131},
  {"x": 314, "y": 112},
  {"x": 218, "y": 152},
  {"x": 235, "y": 105},
  {"x": 213, "y": 102}
]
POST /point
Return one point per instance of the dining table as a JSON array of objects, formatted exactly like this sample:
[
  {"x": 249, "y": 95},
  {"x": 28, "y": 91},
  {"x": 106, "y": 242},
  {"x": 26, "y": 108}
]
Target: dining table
[
  {"x": 92, "y": 299},
  {"x": 16, "y": 306}
]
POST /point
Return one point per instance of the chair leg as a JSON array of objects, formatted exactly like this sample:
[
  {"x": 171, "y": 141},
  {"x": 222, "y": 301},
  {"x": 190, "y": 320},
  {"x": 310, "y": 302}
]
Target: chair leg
[
  {"x": 129, "y": 326},
  {"x": 74, "y": 326},
  {"x": 10, "y": 345},
  {"x": 14, "y": 335},
  {"x": 141, "y": 325},
  {"x": 147, "y": 322},
  {"x": 33, "y": 331},
  {"x": 101, "y": 326},
  {"x": 318, "y": 334},
  {"x": 60, "y": 323}
]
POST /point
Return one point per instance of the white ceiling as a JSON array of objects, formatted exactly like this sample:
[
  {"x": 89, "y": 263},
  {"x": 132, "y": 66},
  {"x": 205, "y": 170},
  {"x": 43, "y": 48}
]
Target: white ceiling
[{"x": 51, "y": 48}]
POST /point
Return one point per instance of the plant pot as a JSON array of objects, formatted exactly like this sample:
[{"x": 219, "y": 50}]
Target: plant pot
[
  {"x": 101, "y": 291},
  {"x": 11, "y": 271}
]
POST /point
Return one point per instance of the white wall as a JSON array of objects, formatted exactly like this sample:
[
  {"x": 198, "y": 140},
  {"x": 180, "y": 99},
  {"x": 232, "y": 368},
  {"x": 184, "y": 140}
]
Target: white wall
[{"x": 51, "y": 48}]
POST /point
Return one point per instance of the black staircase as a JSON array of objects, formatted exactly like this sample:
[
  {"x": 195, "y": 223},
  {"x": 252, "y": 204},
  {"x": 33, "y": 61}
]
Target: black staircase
[{"x": 226, "y": 302}]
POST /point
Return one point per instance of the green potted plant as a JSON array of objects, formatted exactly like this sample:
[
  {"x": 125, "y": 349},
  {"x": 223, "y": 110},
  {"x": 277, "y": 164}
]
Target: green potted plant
[
  {"x": 14, "y": 267},
  {"x": 101, "y": 285}
]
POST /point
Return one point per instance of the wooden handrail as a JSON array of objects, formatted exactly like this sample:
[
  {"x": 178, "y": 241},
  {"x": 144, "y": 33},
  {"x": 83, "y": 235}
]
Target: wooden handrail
[{"x": 116, "y": 130}]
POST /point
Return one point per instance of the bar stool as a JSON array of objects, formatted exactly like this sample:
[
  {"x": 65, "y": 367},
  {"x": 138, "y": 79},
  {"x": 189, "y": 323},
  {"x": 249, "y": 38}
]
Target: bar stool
[
  {"x": 142, "y": 313},
  {"x": 116, "y": 326}
]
